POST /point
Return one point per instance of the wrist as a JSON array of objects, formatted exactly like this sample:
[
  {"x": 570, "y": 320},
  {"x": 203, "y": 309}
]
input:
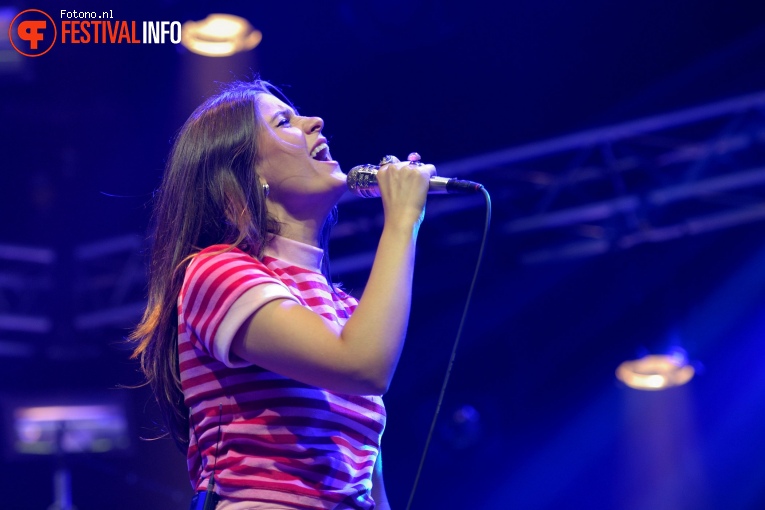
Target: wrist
[{"x": 402, "y": 230}]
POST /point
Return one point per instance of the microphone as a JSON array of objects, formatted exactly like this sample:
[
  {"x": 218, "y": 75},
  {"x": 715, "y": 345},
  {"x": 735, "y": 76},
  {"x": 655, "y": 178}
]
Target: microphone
[{"x": 362, "y": 181}]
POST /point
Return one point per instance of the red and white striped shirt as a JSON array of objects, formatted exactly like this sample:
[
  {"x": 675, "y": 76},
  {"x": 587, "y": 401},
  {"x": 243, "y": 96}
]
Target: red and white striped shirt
[{"x": 281, "y": 441}]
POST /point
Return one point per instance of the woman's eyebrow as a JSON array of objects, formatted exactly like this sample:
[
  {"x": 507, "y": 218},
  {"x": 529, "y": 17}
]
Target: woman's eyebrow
[{"x": 286, "y": 112}]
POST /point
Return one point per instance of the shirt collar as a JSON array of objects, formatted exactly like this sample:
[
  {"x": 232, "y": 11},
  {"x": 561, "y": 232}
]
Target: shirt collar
[{"x": 296, "y": 253}]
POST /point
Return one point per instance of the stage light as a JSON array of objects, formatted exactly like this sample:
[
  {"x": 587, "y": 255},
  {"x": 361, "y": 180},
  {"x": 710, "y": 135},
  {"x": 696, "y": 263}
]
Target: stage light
[
  {"x": 219, "y": 35},
  {"x": 656, "y": 371},
  {"x": 63, "y": 427},
  {"x": 85, "y": 424},
  {"x": 50, "y": 430}
]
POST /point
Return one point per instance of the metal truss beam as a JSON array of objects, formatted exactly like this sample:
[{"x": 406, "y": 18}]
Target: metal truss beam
[{"x": 649, "y": 180}]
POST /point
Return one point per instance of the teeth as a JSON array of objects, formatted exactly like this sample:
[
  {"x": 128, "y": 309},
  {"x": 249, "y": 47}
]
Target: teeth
[{"x": 315, "y": 152}]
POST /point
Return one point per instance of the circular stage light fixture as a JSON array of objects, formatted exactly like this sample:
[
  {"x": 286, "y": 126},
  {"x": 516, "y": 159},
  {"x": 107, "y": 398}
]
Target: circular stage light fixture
[
  {"x": 656, "y": 371},
  {"x": 219, "y": 35}
]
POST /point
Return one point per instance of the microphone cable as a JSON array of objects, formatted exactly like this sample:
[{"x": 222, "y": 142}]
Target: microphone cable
[{"x": 454, "y": 347}]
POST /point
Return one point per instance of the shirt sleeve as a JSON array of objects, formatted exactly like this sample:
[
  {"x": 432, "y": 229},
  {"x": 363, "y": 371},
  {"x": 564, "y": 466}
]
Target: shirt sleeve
[{"x": 220, "y": 291}]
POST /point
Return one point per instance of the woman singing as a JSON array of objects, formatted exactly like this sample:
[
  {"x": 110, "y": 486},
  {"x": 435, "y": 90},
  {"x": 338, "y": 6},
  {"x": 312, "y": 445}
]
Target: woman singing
[{"x": 268, "y": 375}]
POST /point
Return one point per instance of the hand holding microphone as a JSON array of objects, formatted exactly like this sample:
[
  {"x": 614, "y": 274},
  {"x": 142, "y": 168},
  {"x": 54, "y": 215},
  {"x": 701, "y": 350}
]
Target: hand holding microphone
[
  {"x": 362, "y": 180},
  {"x": 403, "y": 188}
]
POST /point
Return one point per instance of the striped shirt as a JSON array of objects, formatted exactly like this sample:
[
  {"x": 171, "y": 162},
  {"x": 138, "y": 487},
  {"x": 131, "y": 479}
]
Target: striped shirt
[{"x": 281, "y": 441}]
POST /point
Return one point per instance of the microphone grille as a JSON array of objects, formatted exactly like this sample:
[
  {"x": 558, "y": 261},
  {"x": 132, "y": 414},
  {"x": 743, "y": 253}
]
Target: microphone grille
[{"x": 362, "y": 181}]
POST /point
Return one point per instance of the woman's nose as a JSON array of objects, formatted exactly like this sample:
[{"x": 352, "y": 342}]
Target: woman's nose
[{"x": 314, "y": 124}]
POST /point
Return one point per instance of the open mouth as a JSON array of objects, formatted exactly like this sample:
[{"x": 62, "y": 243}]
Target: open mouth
[{"x": 321, "y": 152}]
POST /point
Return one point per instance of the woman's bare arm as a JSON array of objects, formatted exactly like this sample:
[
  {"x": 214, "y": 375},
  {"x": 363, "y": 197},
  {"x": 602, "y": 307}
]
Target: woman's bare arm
[{"x": 361, "y": 357}]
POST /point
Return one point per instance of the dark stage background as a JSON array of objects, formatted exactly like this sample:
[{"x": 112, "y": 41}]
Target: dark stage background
[{"x": 534, "y": 417}]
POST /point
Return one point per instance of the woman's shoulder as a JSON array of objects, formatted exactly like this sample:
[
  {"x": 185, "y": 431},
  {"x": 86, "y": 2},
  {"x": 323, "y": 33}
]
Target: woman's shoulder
[
  {"x": 218, "y": 255},
  {"x": 221, "y": 252},
  {"x": 220, "y": 249}
]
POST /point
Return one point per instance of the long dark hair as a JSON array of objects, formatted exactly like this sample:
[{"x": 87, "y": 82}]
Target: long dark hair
[{"x": 210, "y": 194}]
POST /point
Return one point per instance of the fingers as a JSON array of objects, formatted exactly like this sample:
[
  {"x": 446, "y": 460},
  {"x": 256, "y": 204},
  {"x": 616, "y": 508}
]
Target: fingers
[
  {"x": 389, "y": 159},
  {"x": 404, "y": 181},
  {"x": 413, "y": 160},
  {"x": 402, "y": 170},
  {"x": 403, "y": 188}
]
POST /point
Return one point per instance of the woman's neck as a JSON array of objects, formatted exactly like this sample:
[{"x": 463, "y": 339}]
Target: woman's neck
[
  {"x": 302, "y": 217},
  {"x": 305, "y": 229},
  {"x": 300, "y": 232}
]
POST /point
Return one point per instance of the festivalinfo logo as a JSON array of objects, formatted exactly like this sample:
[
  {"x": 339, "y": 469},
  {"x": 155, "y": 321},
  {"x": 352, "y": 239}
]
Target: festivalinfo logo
[{"x": 34, "y": 32}]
